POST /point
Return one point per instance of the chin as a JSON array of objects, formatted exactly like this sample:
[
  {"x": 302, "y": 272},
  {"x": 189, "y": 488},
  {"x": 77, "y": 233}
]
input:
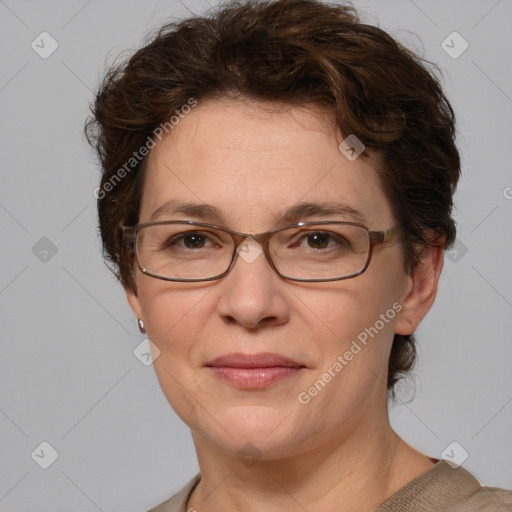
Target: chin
[{"x": 264, "y": 429}]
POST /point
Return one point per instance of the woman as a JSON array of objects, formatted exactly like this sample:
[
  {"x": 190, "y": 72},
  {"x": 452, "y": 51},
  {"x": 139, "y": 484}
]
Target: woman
[{"x": 276, "y": 198}]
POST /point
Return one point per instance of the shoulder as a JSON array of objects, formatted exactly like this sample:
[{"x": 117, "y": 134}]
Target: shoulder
[
  {"x": 485, "y": 499},
  {"x": 178, "y": 501},
  {"x": 447, "y": 488}
]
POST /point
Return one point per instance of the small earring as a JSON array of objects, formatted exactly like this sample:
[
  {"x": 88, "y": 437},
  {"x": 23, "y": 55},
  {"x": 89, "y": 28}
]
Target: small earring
[{"x": 141, "y": 326}]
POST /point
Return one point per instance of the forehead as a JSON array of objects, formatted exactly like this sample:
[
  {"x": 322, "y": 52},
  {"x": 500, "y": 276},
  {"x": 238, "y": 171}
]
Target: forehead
[{"x": 254, "y": 161}]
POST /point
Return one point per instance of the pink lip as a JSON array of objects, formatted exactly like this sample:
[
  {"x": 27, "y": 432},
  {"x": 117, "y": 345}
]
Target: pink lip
[{"x": 254, "y": 371}]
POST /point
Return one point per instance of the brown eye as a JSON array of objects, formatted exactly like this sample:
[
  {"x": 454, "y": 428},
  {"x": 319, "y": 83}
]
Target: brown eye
[
  {"x": 191, "y": 240},
  {"x": 318, "y": 240}
]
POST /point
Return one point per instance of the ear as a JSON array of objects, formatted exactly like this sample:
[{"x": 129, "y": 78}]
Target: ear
[
  {"x": 133, "y": 301},
  {"x": 421, "y": 288}
]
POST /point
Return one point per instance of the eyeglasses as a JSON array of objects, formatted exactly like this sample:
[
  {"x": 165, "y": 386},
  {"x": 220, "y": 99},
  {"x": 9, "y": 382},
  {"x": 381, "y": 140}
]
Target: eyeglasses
[{"x": 182, "y": 250}]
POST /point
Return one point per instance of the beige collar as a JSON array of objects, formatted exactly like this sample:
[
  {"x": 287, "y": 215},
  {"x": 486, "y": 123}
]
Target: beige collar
[{"x": 435, "y": 490}]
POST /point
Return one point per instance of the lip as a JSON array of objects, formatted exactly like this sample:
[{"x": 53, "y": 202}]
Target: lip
[
  {"x": 259, "y": 360},
  {"x": 254, "y": 371}
]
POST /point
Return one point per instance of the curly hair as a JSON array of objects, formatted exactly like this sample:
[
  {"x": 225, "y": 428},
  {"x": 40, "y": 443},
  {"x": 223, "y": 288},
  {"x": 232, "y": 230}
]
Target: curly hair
[{"x": 284, "y": 52}]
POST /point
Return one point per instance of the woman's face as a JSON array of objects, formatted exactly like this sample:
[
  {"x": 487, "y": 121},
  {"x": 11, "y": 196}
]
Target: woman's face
[{"x": 253, "y": 165}]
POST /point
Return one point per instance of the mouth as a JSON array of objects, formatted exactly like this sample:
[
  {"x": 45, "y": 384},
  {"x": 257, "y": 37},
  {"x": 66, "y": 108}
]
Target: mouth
[{"x": 254, "y": 371}]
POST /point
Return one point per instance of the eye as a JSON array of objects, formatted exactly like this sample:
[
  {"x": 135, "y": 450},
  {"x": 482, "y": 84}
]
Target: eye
[
  {"x": 318, "y": 240},
  {"x": 322, "y": 240},
  {"x": 191, "y": 240}
]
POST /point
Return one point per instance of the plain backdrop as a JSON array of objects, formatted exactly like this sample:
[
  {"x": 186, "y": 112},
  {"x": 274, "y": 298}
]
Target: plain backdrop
[{"x": 68, "y": 373}]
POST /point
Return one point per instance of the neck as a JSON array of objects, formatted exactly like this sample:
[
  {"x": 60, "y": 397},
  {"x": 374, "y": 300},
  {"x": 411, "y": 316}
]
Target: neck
[{"x": 349, "y": 472}]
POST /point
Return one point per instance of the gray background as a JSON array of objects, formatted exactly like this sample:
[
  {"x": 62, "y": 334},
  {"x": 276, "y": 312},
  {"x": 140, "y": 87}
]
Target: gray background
[{"x": 68, "y": 374}]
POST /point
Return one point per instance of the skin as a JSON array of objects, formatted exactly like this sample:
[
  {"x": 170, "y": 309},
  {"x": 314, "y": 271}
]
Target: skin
[{"x": 252, "y": 162}]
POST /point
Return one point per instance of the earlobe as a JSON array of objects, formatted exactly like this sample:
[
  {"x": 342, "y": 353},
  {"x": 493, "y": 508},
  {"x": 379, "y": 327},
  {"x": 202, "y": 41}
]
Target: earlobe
[{"x": 421, "y": 289}]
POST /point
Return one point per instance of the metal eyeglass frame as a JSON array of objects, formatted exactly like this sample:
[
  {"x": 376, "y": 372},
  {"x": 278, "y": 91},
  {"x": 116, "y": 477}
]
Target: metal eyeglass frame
[{"x": 129, "y": 234}]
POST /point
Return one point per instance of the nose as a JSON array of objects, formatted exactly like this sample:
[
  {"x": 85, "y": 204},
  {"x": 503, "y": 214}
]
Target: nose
[{"x": 252, "y": 293}]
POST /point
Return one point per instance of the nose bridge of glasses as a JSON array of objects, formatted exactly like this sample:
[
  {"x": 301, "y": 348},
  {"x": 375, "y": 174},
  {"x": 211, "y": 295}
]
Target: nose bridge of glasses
[
  {"x": 259, "y": 238},
  {"x": 249, "y": 246}
]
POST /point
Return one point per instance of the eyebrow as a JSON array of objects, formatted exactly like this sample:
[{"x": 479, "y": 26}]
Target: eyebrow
[
  {"x": 198, "y": 210},
  {"x": 294, "y": 214}
]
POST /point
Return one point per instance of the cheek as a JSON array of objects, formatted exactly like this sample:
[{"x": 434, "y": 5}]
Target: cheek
[
  {"x": 352, "y": 335},
  {"x": 341, "y": 314},
  {"x": 175, "y": 320},
  {"x": 174, "y": 315},
  {"x": 352, "y": 330}
]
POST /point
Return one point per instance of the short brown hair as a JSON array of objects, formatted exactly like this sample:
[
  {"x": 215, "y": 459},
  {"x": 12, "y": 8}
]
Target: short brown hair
[{"x": 289, "y": 52}]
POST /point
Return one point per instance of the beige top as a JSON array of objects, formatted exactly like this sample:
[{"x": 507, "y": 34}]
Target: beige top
[{"x": 441, "y": 488}]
